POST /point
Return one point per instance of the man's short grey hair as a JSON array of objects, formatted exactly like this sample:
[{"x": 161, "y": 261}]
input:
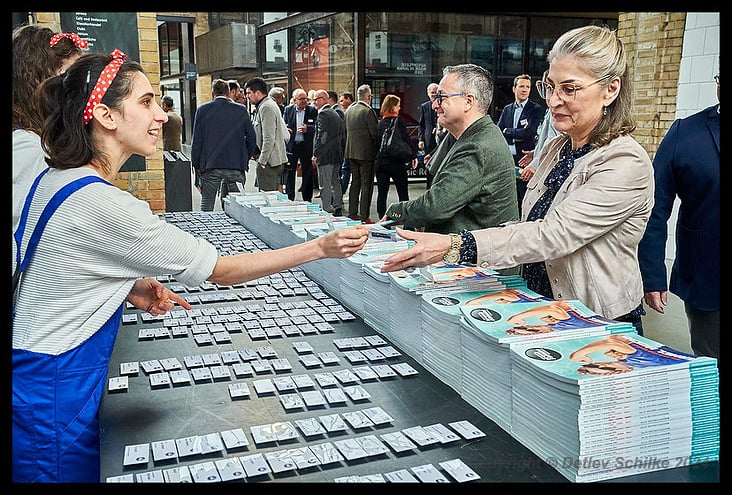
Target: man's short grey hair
[
  {"x": 276, "y": 91},
  {"x": 475, "y": 80},
  {"x": 363, "y": 91}
]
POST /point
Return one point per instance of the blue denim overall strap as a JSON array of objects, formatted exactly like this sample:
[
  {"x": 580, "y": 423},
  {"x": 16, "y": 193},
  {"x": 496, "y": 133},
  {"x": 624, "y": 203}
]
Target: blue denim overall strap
[
  {"x": 50, "y": 208},
  {"x": 56, "y": 397}
]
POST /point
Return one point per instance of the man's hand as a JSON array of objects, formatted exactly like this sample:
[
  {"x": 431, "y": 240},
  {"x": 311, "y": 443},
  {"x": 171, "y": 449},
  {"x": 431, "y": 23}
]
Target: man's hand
[
  {"x": 526, "y": 159},
  {"x": 656, "y": 300},
  {"x": 526, "y": 174}
]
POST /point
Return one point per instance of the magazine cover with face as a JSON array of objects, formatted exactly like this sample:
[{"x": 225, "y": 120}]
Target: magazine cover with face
[
  {"x": 581, "y": 359},
  {"x": 525, "y": 319},
  {"x": 446, "y": 278},
  {"x": 602, "y": 407},
  {"x": 515, "y": 292}
]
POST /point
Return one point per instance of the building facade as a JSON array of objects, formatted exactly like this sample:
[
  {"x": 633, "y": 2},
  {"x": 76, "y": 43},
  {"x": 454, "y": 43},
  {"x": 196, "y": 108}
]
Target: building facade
[{"x": 673, "y": 57}]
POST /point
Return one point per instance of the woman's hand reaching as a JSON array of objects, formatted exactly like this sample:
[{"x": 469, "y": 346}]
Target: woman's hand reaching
[{"x": 148, "y": 294}]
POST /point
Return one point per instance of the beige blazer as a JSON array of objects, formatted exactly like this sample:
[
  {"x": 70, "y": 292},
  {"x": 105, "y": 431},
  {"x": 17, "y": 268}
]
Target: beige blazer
[
  {"x": 590, "y": 235},
  {"x": 267, "y": 126}
]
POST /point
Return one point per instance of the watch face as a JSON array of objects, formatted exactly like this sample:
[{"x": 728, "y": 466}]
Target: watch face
[{"x": 451, "y": 257}]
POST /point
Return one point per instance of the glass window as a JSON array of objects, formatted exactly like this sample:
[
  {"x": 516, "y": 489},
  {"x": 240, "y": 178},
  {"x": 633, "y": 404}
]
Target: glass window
[
  {"x": 321, "y": 55},
  {"x": 171, "y": 48},
  {"x": 544, "y": 31}
]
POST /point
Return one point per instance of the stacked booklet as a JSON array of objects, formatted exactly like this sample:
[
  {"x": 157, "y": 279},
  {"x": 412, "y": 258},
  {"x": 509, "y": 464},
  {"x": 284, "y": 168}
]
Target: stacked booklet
[
  {"x": 376, "y": 298},
  {"x": 388, "y": 241},
  {"x": 245, "y": 208},
  {"x": 603, "y": 407},
  {"x": 352, "y": 271},
  {"x": 325, "y": 272},
  {"x": 491, "y": 326},
  {"x": 407, "y": 287},
  {"x": 441, "y": 330}
]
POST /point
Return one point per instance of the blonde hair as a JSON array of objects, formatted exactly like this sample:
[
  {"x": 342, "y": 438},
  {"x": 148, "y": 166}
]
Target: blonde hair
[{"x": 600, "y": 52}]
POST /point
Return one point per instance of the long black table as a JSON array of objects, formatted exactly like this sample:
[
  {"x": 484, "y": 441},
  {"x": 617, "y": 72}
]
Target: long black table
[{"x": 143, "y": 414}]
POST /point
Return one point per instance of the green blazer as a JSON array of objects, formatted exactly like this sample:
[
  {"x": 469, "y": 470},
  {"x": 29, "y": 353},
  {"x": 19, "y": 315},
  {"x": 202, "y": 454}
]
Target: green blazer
[{"x": 474, "y": 186}]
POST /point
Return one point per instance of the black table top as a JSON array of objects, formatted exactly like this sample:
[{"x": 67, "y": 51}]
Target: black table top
[{"x": 144, "y": 415}]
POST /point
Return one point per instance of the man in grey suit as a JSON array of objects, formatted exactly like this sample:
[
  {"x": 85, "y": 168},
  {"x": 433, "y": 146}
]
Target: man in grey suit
[
  {"x": 328, "y": 153},
  {"x": 360, "y": 152},
  {"x": 223, "y": 140},
  {"x": 272, "y": 155}
]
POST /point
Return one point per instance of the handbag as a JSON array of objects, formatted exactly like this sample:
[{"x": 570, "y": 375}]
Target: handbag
[{"x": 393, "y": 147}]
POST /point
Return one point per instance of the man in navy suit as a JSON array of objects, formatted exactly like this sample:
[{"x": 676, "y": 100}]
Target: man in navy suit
[
  {"x": 687, "y": 165},
  {"x": 519, "y": 122},
  {"x": 300, "y": 119},
  {"x": 223, "y": 140},
  {"x": 427, "y": 133}
]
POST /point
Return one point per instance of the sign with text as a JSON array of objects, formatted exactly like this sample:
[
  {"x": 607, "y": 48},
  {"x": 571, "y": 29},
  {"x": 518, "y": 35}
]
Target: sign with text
[{"x": 105, "y": 31}]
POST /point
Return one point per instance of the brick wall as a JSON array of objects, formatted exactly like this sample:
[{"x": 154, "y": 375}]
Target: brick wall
[
  {"x": 148, "y": 185},
  {"x": 653, "y": 41}
]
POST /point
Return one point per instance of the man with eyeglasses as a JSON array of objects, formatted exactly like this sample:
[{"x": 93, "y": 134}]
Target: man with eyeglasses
[
  {"x": 300, "y": 119},
  {"x": 519, "y": 122},
  {"x": 687, "y": 165},
  {"x": 473, "y": 186}
]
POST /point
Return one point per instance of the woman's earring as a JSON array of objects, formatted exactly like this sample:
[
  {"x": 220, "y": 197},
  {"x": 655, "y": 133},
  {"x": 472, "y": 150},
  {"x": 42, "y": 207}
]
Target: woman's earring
[{"x": 604, "y": 111}]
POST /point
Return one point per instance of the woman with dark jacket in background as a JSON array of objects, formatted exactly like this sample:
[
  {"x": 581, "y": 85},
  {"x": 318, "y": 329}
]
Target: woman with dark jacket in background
[{"x": 386, "y": 168}]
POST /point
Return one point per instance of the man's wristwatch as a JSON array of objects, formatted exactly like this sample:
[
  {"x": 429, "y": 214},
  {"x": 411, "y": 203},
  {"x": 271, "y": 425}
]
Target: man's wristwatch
[{"x": 452, "y": 257}]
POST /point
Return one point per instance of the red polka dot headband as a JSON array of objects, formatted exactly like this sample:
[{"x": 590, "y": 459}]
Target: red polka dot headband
[
  {"x": 103, "y": 83},
  {"x": 72, "y": 36}
]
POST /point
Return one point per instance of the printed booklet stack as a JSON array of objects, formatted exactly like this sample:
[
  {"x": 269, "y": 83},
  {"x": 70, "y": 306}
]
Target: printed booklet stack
[
  {"x": 441, "y": 329},
  {"x": 375, "y": 299},
  {"x": 386, "y": 241},
  {"x": 603, "y": 407},
  {"x": 352, "y": 270},
  {"x": 247, "y": 209},
  {"x": 405, "y": 301},
  {"x": 489, "y": 328}
]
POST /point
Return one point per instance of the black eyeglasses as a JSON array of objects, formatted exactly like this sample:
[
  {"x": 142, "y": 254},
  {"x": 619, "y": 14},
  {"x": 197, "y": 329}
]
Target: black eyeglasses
[
  {"x": 566, "y": 91},
  {"x": 439, "y": 96}
]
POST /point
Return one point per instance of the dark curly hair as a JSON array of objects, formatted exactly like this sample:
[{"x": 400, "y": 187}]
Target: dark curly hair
[{"x": 64, "y": 137}]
